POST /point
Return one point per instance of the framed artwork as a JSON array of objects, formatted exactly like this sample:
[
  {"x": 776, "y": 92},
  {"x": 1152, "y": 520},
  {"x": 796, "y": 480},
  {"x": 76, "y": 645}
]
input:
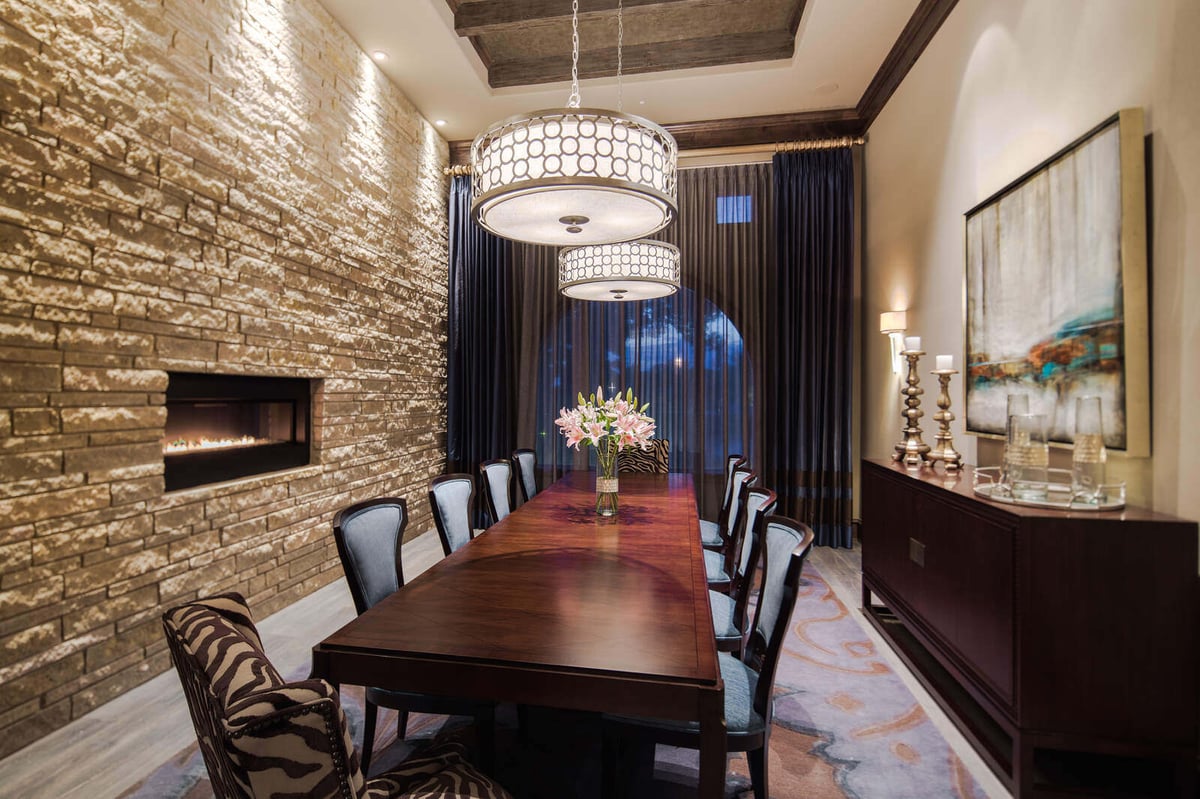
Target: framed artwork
[{"x": 1056, "y": 290}]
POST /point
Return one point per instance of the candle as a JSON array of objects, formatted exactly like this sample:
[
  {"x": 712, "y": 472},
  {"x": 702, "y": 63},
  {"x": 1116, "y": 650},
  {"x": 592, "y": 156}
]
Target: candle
[
  {"x": 945, "y": 362},
  {"x": 912, "y": 343}
]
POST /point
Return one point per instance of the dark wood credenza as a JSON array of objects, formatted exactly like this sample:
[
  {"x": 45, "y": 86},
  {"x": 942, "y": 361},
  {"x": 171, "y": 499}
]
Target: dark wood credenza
[{"x": 1063, "y": 644}]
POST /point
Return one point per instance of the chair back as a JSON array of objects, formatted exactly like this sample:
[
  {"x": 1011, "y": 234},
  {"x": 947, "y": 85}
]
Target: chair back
[
  {"x": 452, "y": 499},
  {"x": 524, "y": 463},
  {"x": 743, "y": 478},
  {"x": 759, "y": 502},
  {"x": 655, "y": 459},
  {"x": 785, "y": 544},
  {"x": 260, "y": 737},
  {"x": 368, "y": 536},
  {"x": 497, "y": 484},
  {"x": 732, "y": 462}
]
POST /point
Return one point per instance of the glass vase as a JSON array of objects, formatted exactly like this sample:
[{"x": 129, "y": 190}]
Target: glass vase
[
  {"x": 1027, "y": 456},
  {"x": 606, "y": 479},
  {"x": 1089, "y": 455}
]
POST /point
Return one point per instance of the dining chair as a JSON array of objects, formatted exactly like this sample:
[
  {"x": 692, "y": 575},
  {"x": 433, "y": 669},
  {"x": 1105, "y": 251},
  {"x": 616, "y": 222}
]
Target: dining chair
[
  {"x": 368, "y": 536},
  {"x": 263, "y": 738},
  {"x": 655, "y": 459},
  {"x": 729, "y": 610},
  {"x": 710, "y": 532},
  {"x": 718, "y": 563},
  {"x": 452, "y": 499},
  {"x": 749, "y": 680},
  {"x": 497, "y": 485},
  {"x": 524, "y": 464}
]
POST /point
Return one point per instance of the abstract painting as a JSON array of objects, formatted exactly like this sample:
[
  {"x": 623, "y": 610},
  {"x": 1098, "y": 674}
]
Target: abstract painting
[{"x": 1056, "y": 290}]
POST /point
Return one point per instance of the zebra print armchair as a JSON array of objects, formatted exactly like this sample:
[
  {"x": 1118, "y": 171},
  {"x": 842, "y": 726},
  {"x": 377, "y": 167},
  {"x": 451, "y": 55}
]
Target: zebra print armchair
[
  {"x": 656, "y": 459},
  {"x": 263, "y": 737}
]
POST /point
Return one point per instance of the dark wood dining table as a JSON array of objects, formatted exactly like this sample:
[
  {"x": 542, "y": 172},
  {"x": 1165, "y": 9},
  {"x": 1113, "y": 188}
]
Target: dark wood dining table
[{"x": 558, "y": 607}]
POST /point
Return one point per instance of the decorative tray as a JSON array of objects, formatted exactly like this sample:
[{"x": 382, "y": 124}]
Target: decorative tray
[{"x": 1058, "y": 491}]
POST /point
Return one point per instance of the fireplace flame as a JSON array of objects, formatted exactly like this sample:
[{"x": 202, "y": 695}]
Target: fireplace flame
[{"x": 197, "y": 444}]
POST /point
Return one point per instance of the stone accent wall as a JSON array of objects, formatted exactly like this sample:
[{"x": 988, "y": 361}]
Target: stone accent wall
[{"x": 215, "y": 186}]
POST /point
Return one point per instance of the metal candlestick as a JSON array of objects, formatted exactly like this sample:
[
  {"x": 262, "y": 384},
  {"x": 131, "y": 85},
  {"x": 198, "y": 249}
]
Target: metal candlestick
[
  {"x": 912, "y": 450},
  {"x": 944, "y": 445}
]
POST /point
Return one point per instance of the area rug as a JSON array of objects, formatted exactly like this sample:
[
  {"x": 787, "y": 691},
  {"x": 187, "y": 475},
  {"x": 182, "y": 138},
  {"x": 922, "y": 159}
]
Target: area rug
[{"x": 846, "y": 727}]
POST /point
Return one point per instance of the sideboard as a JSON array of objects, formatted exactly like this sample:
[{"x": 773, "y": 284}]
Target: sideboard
[{"x": 1063, "y": 644}]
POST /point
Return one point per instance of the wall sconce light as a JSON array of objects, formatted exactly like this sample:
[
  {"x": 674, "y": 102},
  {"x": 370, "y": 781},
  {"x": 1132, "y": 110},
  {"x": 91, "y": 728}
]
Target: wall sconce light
[{"x": 893, "y": 324}]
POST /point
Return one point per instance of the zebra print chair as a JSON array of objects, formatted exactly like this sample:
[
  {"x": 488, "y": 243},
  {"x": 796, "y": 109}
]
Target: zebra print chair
[
  {"x": 263, "y": 737},
  {"x": 655, "y": 460}
]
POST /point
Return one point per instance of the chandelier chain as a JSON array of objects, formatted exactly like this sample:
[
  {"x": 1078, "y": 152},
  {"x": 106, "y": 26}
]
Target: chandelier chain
[
  {"x": 573, "y": 100},
  {"x": 620, "y": 43}
]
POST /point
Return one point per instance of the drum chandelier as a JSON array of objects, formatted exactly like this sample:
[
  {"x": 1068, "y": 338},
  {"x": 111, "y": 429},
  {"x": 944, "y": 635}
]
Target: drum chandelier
[{"x": 574, "y": 176}]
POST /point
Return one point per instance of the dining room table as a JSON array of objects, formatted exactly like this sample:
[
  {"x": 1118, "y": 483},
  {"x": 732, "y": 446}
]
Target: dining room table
[{"x": 559, "y": 607}]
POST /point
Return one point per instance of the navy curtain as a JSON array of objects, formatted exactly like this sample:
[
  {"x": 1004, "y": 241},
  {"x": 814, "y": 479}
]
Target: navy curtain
[
  {"x": 481, "y": 416},
  {"x": 807, "y": 456}
]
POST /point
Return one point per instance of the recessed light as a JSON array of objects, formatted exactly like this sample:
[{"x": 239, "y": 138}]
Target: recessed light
[
  {"x": 439, "y": 122},
  {"x": 379, "y": 55}
]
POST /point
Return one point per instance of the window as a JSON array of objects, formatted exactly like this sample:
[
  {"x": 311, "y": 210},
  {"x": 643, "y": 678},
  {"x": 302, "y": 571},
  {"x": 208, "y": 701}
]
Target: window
[{"x": 734, "y": 209}]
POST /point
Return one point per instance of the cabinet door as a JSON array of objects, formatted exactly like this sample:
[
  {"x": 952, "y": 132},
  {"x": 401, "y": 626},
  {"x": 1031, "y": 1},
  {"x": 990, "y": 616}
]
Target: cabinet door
[
  {"x": 887, "y": 521},
  {"x": 967, "y": 595}
]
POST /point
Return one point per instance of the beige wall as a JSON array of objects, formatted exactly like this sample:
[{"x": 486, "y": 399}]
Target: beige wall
[
  {"x": 1002, "y": 86},
  {"x": 224, "y": 187}
]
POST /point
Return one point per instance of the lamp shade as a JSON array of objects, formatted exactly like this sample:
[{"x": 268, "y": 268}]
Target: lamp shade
[
  {"x": 893, "y": 322},
  {"x": 629, "y": 270},
  {"x": 574, "y": 176}
]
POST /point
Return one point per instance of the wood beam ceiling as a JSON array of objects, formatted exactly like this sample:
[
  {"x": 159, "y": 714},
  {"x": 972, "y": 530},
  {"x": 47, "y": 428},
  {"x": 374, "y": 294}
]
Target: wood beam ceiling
[
  {"x": 918, "y": 32},
  {"x": 477, "y": 19}
]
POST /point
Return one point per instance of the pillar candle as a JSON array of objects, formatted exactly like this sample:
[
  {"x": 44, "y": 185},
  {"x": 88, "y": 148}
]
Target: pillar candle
[
  {"x": 912, "y": 343},
  {"x": 945, "y": 362}
]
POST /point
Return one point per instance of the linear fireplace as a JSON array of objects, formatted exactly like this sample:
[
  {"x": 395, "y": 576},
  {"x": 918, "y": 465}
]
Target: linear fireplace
[{"x": 221, "y": 427}]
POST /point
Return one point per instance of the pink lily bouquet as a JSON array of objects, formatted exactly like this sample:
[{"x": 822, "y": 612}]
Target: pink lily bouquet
[{"x": 608, "y": 425}]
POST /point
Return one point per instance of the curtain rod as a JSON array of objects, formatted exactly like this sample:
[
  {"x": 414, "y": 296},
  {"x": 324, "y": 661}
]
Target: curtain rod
[{"x": 744, "y": 149}]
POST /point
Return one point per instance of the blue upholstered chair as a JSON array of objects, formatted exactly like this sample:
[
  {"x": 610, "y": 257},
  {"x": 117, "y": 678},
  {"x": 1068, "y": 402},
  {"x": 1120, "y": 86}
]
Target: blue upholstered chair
[
  {"x": 718, "y": 563},
  {"x": 749, "y": 680},
  {"x": 729, "y": 610},
  {"x": 710, "y": 532},
  {"x": 368, "y": 536},
  {"x": 497, "y": 488},
  {"x": 452, "y": 499},
  {"x": 524, "y": 463}
]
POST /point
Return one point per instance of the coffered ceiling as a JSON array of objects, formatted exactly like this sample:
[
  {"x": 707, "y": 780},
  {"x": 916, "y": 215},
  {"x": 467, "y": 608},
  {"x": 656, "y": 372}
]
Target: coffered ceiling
[{"x": 714, "y": 72}]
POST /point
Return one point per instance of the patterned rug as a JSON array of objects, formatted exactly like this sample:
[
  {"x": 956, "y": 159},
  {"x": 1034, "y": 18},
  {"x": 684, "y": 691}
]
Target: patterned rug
[{"x": 846, "y": 727}]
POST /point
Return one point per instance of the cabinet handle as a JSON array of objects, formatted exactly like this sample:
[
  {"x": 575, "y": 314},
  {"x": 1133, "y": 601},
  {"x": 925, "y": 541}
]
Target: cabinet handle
[{"x": 916, "y": 552}]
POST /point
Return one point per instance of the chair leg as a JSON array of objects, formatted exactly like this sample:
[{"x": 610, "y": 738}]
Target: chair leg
[
  {"x": 485, "y": 724},
  {"x": 402, "y": 725},
  {"x": 758, "y": 771},
  {"x": 368, "y": 734}
]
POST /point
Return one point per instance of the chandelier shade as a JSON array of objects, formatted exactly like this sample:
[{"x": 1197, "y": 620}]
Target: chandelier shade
[
  {"x": 629, "y": 270},
  {"x": 574, "y": 176}
]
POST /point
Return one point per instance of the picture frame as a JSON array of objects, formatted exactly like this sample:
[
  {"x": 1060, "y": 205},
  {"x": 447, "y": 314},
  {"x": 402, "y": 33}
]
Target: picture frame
[{"x": 1056, "y": 299}]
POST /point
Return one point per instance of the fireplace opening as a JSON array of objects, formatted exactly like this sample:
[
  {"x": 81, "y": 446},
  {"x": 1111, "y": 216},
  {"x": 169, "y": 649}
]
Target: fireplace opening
[{"x": 222, "y": 427}]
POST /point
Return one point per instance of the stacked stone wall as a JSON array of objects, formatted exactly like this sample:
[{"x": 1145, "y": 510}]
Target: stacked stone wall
[{"x": 206, "y": 186}]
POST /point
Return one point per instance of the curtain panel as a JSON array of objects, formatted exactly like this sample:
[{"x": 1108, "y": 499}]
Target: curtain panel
[
  {"x": 481, "y": 342},
  {"x": 807, "y": 459}
]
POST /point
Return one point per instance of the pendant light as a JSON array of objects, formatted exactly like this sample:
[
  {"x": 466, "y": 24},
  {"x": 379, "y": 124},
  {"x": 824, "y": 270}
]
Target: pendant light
[
  {"x": 629, "y": 270},
  {"x": 574, "y": 176}
]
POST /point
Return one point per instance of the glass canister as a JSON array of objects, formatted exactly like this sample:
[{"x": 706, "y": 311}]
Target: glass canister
[{"x": 1089, "y": 456}]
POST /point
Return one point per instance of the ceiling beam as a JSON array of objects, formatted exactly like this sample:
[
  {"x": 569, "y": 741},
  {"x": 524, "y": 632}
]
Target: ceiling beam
[
  {"x": 766, "y": 129},
  {"x": 734, "y": 48},
  {"x": 922, "y": 25},
  {"x": 475, "y": 19}
]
